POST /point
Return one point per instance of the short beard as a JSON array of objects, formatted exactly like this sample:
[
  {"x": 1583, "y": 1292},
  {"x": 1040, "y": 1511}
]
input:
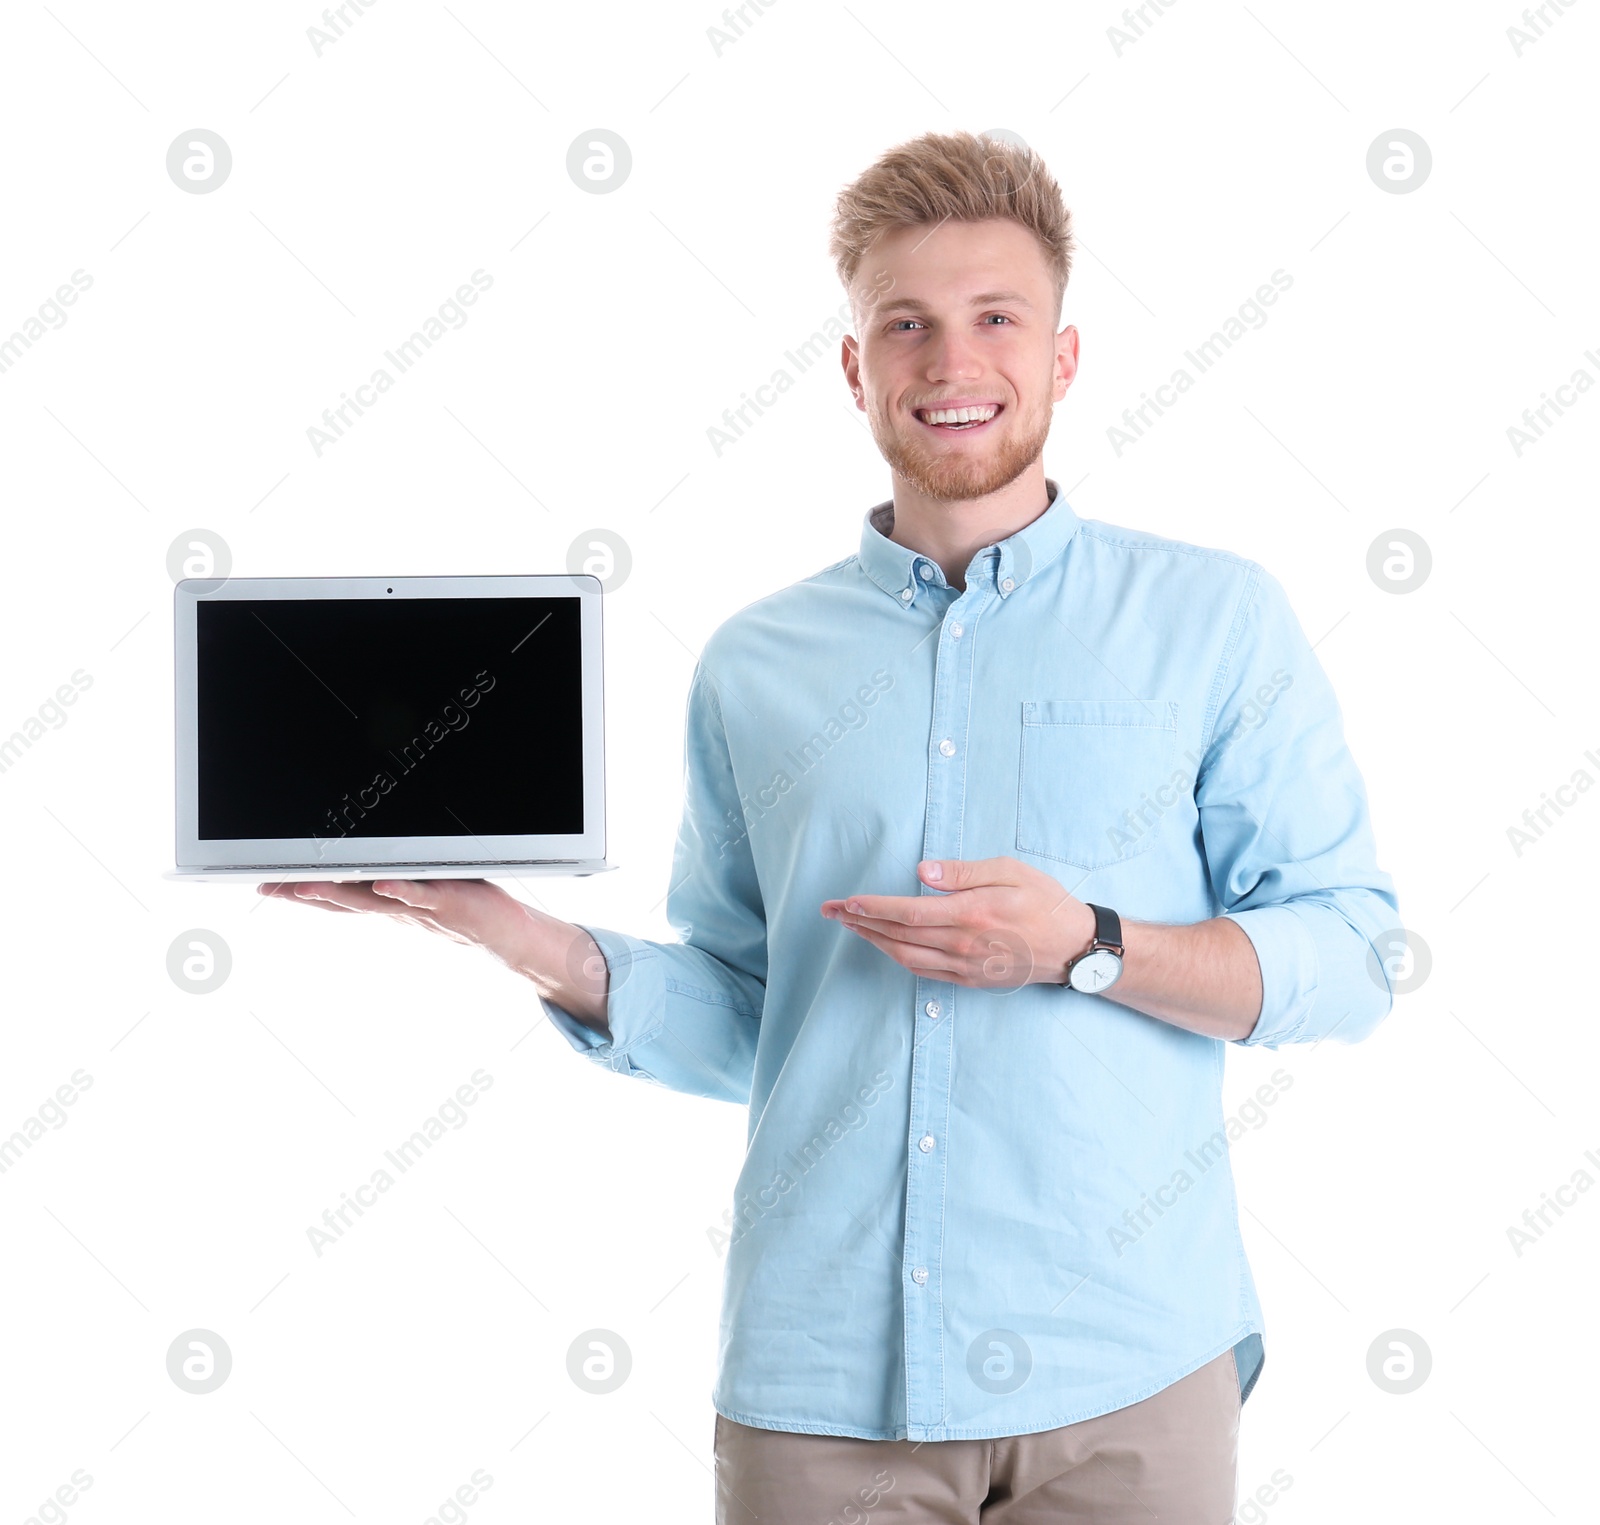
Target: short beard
[{"x": 959, "y": 476}]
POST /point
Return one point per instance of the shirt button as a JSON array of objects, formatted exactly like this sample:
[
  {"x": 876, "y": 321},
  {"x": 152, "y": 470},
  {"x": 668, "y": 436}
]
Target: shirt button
[
  {"x": 932, "y": 1009},
  {"x": 905, "y": 593},
  {"x": 920, "y": 1275},
  {"x": 1006, "y": 585},
  {"x": 924, "y": 571},
  {"x": 925, "y": 1143},
  {"x": 955, "y": 630},
  {"x": 947, "y": 747}
]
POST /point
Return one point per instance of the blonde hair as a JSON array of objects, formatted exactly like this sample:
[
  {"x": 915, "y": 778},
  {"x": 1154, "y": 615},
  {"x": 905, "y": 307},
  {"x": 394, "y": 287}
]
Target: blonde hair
[{"x": 957, "y": 177}]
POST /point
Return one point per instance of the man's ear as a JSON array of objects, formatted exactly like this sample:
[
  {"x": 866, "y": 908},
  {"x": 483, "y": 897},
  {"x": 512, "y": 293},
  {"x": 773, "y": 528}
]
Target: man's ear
[{"x": 850, "y": 361}]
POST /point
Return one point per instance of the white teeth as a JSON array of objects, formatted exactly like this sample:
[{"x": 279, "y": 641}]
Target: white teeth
[{"x": 958, "y": 415}]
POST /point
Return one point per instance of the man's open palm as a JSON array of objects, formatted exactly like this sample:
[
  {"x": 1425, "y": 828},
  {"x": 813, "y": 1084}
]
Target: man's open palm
[{"x": 1001, "y": 924}]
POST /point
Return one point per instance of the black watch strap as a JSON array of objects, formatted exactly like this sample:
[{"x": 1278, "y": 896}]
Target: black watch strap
[{"x": 1107, "y": 926}]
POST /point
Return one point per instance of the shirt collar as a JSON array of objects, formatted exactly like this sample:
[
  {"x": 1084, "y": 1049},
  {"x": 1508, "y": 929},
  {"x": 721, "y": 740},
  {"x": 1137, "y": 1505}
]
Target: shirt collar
[{"x": 904, "y": 574}]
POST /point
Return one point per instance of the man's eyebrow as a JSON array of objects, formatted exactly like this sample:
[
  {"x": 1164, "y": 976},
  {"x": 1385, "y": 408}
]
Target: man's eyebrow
[{"x": 983, "y": 299}]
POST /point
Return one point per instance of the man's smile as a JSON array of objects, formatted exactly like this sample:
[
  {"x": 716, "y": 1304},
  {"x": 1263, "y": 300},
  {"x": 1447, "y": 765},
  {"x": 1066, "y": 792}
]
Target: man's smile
[{"x": 959, "y": 417}]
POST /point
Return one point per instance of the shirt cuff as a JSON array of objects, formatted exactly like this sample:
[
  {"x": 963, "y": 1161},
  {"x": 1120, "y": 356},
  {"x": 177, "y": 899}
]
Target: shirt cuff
[
  {"x": 635, "y": 1002},
  {"x": 1287, "y": 953}
]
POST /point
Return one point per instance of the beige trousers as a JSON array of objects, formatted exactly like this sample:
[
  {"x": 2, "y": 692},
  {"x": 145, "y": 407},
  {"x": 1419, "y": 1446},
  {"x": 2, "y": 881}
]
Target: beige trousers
[{"x": 1170, "y": 1458}]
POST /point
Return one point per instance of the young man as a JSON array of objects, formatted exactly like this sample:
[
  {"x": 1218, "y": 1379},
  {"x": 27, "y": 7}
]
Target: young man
[{"x": 996, "y": 833}]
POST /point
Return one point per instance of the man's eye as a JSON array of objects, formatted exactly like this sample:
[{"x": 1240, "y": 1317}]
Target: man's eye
[{"x": 998, "y": 315}]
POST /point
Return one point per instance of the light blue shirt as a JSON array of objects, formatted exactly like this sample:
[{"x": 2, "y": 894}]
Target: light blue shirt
[{"x": 966, "y": 1213}]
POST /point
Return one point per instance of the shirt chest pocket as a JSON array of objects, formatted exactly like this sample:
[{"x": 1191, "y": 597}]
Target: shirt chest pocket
[{"x": 1089, "y": 777}]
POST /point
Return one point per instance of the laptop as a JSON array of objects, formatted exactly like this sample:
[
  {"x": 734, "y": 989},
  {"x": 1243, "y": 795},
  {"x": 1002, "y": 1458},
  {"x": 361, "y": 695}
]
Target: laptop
[{"x": 389, "y": 727}]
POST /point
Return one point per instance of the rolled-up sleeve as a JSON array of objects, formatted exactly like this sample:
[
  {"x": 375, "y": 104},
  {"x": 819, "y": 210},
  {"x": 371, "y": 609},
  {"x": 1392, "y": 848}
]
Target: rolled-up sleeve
[
  {"x": 685, "y": 1015},
  {"x": 1287, "y": 836}
]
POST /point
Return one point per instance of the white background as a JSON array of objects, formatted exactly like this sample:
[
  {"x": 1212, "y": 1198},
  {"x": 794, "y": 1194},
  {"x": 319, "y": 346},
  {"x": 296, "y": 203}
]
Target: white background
[{"x": 367, "y": 184}]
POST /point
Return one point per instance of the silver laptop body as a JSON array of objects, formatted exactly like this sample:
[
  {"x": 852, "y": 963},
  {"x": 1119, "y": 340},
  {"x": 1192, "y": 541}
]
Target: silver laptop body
[{"x": 389, "y": 727}]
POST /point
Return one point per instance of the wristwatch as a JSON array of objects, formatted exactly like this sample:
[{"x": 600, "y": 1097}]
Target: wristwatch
[{"x": 1101, "y": 966}]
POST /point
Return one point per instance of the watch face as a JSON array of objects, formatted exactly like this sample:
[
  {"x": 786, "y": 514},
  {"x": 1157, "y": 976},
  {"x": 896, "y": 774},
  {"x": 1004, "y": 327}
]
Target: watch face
[{"x": 1095, "y": 971}]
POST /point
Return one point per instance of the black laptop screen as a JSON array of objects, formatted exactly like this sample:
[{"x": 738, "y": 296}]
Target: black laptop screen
[{"x": 440, "y": 717}]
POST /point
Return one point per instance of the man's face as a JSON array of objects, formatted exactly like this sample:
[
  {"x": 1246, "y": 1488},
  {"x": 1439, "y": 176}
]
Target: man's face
[{"x": 961, "y": 314}]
